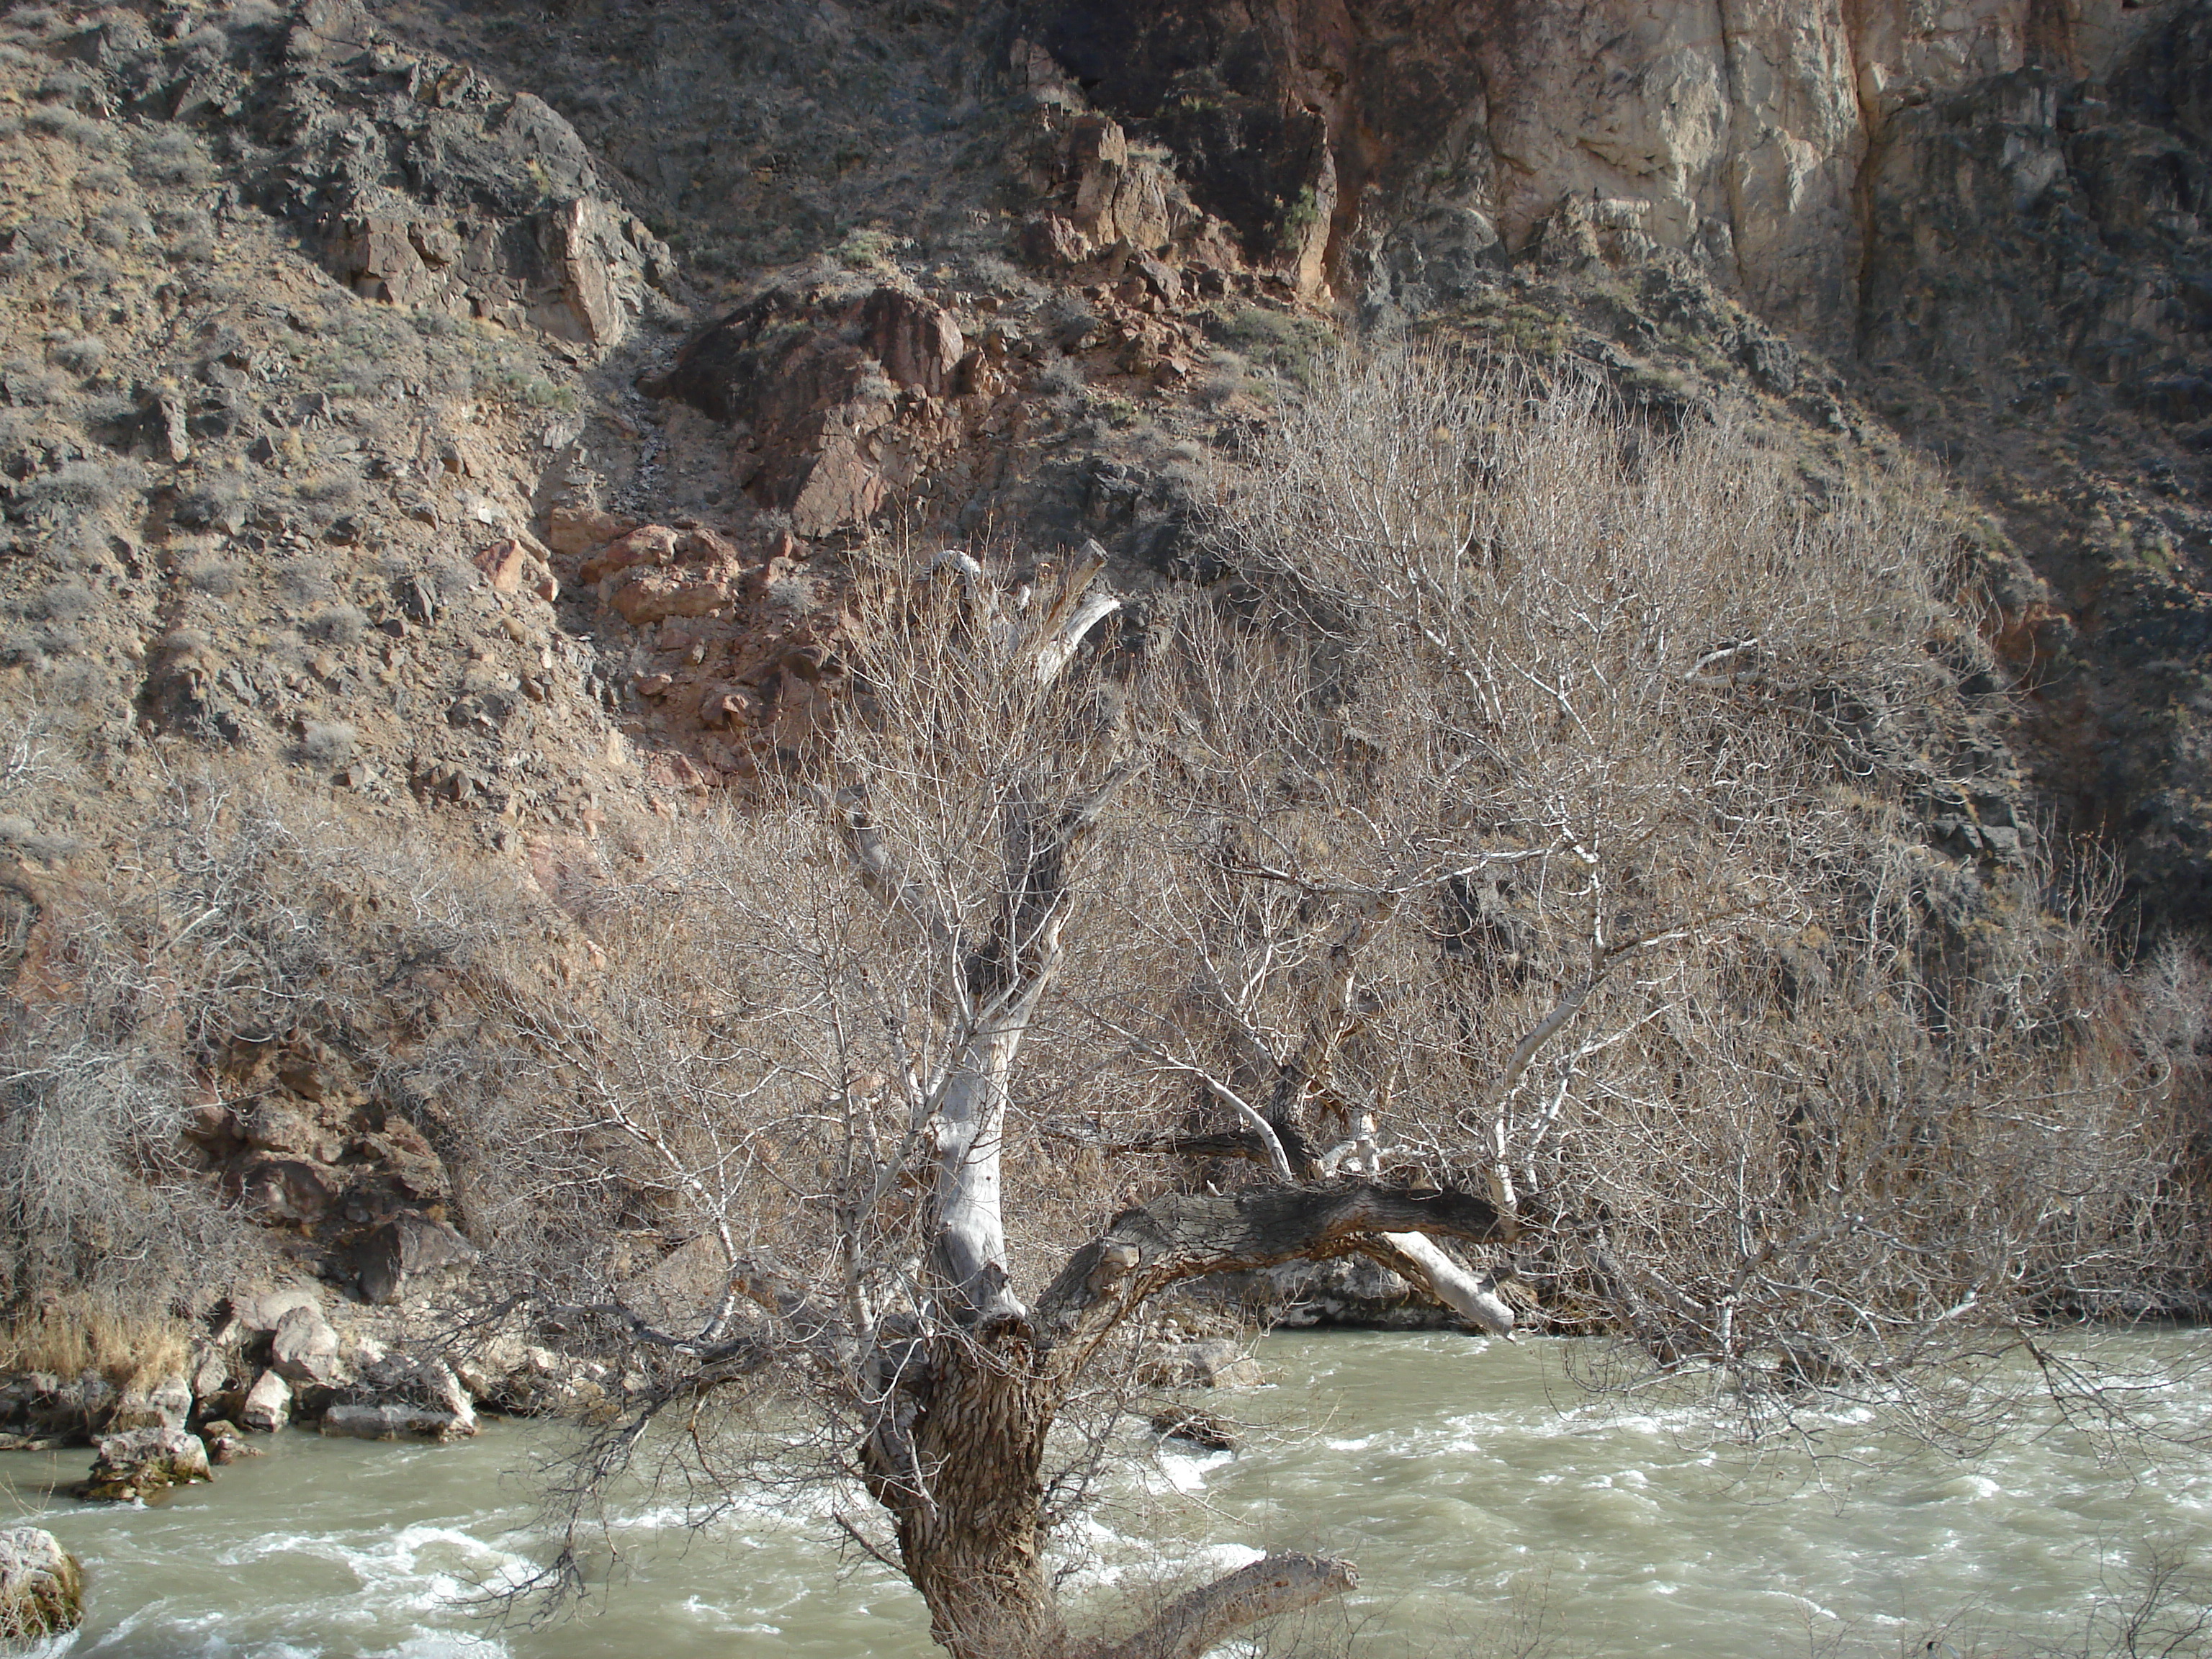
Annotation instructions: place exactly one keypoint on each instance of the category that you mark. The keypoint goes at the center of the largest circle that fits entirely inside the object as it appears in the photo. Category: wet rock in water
(143, 1463)
(1215, 1364)
(1346, 1290)
(1196, 1425)
(397, 1420)
(268, 1405)
(416, 1397)
(225, 1442)
(41, 1587)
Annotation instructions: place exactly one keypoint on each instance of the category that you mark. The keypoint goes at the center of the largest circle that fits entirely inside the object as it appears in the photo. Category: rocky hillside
(457, 417)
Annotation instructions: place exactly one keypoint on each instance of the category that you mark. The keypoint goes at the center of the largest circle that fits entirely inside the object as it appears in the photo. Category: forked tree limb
(1182, 1236)
(1193, 1623)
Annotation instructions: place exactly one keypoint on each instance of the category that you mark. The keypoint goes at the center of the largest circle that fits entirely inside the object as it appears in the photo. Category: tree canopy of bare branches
(1512, 875)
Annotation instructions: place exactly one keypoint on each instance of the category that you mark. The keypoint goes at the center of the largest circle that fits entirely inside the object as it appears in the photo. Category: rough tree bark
(958, 1456)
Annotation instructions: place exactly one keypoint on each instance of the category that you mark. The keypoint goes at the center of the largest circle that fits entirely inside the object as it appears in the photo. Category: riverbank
(1479, 1491)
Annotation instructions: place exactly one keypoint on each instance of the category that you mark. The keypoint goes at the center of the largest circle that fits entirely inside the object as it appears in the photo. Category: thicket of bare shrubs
(242, 924)
(1538, 814)
(1771, 1083)
(1543, 813)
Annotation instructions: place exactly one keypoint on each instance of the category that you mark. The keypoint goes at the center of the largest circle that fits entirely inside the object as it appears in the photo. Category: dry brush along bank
(619, 726)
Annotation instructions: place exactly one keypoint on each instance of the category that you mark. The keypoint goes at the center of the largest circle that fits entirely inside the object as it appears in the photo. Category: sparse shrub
(217, 502)
(1061, 381)
(81, 355)
(1225, 381)
(341, 625)
(870, 250)
(1070, 320)
(333, 486)
(66, 602)
(59, 121)
(187, 235)
(306, 581)
(67, 83)
(78, 683)
(119, 225)
(37, 244)
(214, 577)
(31, 385)
(452, 577)
(328, 744)
(79, 486)
(170, 156)
(998, 275)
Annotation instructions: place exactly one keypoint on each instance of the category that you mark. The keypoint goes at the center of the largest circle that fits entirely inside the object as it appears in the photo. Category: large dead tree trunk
(958, 1454)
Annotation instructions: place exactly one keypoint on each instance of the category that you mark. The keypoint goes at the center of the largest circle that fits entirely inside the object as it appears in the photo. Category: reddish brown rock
(504, 563)
(1050, 240)
(575, 530)
(918, 342)
(650, 596)
(650, 543)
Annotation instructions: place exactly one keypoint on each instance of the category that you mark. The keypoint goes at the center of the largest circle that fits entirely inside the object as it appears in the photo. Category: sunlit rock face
(1737, 131)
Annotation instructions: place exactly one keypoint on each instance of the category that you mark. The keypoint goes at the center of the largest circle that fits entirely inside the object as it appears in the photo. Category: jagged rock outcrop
(1734, 130)
(419, 182)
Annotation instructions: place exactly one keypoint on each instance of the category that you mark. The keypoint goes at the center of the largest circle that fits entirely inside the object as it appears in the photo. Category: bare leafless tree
(799, 1067)
(1512, 878)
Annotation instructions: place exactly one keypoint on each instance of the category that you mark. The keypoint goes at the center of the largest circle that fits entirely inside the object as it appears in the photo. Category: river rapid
(1487, 1500)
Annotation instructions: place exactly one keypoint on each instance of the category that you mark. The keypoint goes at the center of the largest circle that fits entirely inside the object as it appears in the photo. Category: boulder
(918, 343)
(576, 529)
(164, 1406)
(304, 1351)
(41, 1587)
(397, 1420)
(394, 1260)
(279, 1190)
(143, 1463)
(505, 563)
(265, 1313)
(72, 1409)
(1214, 1363)
(225, 1442)
(211, 1374)
(268, 1405)
(1197, 1425)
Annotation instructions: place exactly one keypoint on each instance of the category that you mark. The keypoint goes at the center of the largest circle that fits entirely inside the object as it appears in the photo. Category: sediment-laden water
(1479, 1491)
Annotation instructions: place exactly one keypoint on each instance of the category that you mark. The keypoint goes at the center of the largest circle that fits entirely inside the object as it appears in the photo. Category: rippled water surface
(1478, 1490)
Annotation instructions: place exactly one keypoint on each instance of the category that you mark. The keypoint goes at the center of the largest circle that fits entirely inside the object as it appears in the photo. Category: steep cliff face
(1992, 217)
(1738, 130)
(1033, 264)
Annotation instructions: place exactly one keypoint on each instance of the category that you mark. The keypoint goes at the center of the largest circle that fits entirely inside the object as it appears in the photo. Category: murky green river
(1486, 1500)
